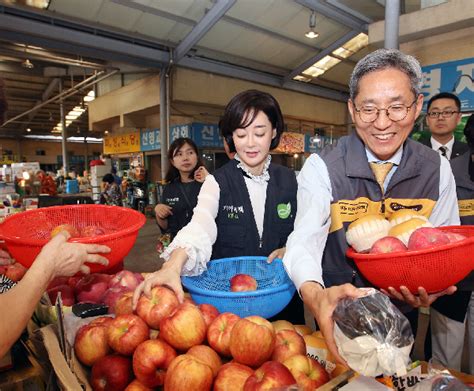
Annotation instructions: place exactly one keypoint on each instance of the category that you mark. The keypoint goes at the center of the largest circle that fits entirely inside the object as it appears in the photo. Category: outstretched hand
(422, 299)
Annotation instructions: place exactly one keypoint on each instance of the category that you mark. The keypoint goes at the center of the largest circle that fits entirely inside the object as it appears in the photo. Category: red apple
(102, 321)
(67, 294)
(279, 325)
(111, 373)
(252, 341)
(454, 237)
(72, 281)
(309, 373)
(209, 312)
(387, 244)
(151, 359)
(207, 356)
(218, 333)
(243, 283)
(271, 375)
(92, 287)
(92, 231)
(161, 303)
(232, 377)
(15, 271)
(427, 237)
(91, 342)
(187, 373)
(58, 281)
(126, 332)
(137, 386)
(127, 279)
(184, 328)
(288, 343)
(65, 227)
(111, 296)
(123, 305)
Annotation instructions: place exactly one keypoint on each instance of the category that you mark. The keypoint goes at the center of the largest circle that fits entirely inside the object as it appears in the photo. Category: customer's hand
(422, 299)
(61, 258)
(163, 211)
(200, 174)
(278, 253)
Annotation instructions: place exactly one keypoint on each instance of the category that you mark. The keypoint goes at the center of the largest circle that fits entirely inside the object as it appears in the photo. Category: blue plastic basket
(274, 287)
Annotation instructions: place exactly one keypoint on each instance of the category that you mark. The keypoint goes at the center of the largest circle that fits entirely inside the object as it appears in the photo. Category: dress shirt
(435, 145)
(305, 245)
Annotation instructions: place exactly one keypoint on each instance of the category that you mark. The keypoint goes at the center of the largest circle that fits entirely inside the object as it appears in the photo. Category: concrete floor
(143, 258)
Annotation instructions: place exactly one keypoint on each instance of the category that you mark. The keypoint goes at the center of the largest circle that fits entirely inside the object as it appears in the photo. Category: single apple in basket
(219, 331)
(124, 305)
(243, 283)
(187, 373)
(136, 385)
(126, 332)
(252, 341)
(65, 227)
(207, 356)
(387, 244)
(111, 373)
(427, 237)
(270, 376)
(454, 237)
(151, 359)
(184, 327)
(127, 279)
(111, 296)
(209, 312)
(308, 373)
(288, 343)
(91, 288)
(91, 342)
(232, 377)
(161, 304)
(91, 231)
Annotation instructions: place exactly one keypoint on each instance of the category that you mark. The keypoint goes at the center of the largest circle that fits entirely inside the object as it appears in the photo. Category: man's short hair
(444, 95)
(384, 59)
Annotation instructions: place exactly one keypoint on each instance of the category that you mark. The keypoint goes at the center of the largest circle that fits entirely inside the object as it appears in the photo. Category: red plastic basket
(434, 269)
(27, 232)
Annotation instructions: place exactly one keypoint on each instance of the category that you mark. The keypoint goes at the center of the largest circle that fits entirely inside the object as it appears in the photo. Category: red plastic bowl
(26, 233)
(434, 269)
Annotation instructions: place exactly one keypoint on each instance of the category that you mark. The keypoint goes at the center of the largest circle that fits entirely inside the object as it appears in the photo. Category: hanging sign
(207, 135)
(122, 143)
(150, 139)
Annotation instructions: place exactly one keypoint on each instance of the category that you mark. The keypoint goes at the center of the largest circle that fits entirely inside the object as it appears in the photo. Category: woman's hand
(423, 299)
(200, 174)
(278, 253)
(163, 211)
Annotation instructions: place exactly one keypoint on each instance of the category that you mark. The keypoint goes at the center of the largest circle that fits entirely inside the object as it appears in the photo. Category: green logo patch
(284, 210)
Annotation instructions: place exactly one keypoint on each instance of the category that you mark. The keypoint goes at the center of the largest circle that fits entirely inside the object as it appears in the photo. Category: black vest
(237, 233)
(356, 193)
(182, 201)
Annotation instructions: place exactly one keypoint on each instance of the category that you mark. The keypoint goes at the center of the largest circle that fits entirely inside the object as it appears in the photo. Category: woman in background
(111, 194)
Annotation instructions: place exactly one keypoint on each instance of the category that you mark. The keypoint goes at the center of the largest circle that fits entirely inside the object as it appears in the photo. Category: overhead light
(106, 132)
(28, 129)
(311, 34)
(27, 64)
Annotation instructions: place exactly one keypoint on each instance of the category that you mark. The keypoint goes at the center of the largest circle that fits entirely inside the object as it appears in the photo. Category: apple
(111, 296)
(454, 237)
(137, 386)
(209, 312)
(232, 377)
(302, 329)
(58, 281)
(67, 294)
(308, 373)
(207, 356)
(111, 373)
(187, 373)
(151, 359)
(124, 305)
(282, 325)
(91, 342)
(127, 279)
(243, 283)
(427, 237)
(271, 375)
(161, 303)
(15, 271)
(218, 333)
(92, 287)
(126, 332)
(72, 281)
(184, 328)
(65, 227)
(387, 244)
(288, 343)
(101, 321)
(252, 341)
(91, 231)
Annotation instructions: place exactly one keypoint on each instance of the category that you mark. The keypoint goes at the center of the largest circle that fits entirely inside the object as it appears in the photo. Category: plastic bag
(440, 379)
(372, 335)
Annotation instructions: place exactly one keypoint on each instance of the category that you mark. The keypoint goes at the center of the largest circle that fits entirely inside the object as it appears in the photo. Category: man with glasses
(443, 115)
(339, 186)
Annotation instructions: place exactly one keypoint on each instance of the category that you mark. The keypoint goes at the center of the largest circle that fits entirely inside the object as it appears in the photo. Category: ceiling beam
(336, 14)
(305, 65)
(204, 25)
(350, 11)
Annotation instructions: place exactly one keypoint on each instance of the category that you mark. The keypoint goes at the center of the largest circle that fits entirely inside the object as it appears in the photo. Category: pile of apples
(90, 231)
(94, 288)
(14, 271)
(193, 347)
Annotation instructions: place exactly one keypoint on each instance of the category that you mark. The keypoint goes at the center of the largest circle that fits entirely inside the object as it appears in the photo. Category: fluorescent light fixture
(93, 140)
(70, 116)
(352, 46)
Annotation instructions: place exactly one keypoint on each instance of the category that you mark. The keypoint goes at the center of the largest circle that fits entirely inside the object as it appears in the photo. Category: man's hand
(322, 303)
(163, 211)
(423, 299)
(278, 253)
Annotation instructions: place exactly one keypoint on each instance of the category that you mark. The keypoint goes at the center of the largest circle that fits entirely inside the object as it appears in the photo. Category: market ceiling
(62, 43)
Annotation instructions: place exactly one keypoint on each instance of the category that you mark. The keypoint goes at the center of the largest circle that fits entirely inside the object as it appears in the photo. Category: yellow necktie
(380, 171)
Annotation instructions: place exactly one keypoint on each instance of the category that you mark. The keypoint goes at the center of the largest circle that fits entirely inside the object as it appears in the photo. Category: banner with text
(122, 143)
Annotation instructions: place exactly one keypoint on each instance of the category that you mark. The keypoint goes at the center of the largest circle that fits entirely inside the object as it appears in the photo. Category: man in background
(443, 115)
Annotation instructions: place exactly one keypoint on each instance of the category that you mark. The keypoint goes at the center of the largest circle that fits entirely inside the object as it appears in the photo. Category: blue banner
(207, 135)
(177, 131)
(150, 139)
(455, 76)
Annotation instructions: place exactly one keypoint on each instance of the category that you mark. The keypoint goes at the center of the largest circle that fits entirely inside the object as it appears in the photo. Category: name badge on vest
(233, 212)
(172, 201)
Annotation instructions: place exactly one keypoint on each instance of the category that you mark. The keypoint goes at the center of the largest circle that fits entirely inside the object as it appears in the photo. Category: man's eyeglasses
(395, 113)
(444, 114)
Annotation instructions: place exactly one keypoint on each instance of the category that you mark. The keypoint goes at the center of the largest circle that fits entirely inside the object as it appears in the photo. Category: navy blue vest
(237, 233)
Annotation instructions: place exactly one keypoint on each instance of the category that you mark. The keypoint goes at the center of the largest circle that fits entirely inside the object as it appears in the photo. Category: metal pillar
(392, 17)
(164, 122)
(63, 131)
